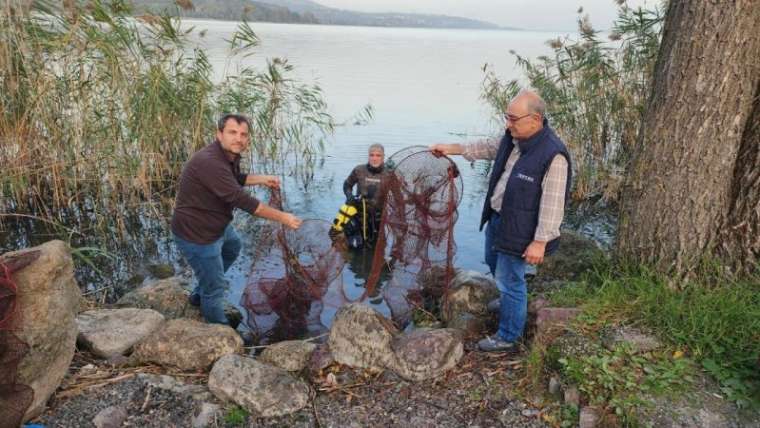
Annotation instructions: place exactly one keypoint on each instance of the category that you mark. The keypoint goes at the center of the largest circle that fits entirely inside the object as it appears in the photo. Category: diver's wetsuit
(372, 184)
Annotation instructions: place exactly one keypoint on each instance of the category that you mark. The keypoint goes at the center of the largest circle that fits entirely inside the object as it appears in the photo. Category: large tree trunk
(686, 183)
(740, 244)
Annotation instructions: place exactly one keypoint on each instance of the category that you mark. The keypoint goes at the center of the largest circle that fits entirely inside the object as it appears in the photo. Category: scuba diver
(359, 218)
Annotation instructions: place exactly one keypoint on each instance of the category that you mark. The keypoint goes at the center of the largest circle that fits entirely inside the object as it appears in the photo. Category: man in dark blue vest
(524, 206)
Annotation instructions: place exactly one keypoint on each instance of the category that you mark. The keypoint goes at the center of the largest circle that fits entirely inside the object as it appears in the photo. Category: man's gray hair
(376, 148)
(534, 102)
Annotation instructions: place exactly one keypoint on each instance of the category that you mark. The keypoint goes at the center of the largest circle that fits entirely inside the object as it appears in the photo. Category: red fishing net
(15, 398)
(298, 281)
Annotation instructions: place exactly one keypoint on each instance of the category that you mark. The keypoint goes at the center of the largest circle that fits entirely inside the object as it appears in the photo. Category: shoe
(248, 339)
(494, 305)
(494, 343)
(194, 299)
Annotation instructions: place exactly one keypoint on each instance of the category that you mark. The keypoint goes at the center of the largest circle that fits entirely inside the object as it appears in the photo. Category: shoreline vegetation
(90, 101)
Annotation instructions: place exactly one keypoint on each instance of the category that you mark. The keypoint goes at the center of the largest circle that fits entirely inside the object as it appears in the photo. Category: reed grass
(99, 110)
(595, 90)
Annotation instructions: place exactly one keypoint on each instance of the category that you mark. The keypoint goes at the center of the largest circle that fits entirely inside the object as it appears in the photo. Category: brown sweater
(210, 187)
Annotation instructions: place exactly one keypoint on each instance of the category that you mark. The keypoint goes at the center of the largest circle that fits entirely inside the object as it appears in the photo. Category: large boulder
(290, 355)
(425, 354)
(109, 332)
(170, 298)
(48, 300)
(258, 387)
(470, 292)
(361, 337)
(188, 345)
(165, 296)
(576, 254)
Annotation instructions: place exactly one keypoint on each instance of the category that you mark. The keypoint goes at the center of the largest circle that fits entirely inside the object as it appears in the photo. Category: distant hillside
(331, 16)
(305, 11)
(232, 10)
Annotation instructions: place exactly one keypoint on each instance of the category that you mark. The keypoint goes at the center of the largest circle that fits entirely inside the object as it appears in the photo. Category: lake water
(424, 86)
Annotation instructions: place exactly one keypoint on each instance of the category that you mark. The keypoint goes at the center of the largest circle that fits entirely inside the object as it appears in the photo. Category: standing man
(524, 206)
(371, 180)
(210, 187)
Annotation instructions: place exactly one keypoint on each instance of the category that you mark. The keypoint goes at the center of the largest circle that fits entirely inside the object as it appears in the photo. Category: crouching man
(210, 188)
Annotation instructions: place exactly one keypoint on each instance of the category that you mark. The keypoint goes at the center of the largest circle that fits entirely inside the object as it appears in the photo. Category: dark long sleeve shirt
(210, 188)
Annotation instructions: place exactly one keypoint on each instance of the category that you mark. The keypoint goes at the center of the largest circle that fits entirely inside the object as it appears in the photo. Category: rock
(118, 360)
(168, 383)
(48, 299)
(188, 344)
(589, 417)
(554, 317)
(206, 416)
(108, 332)
(470, 292)
(469, 324)
(258, 387)
(110, 417)
(168, 297)
(576, 254)
(535, 305)
(320, 359)
(361, 337)
(530, 413)
(554, 387)
(423, 354)
(165, 296)
(161, 270)
(572, 396)
(638, 341)
(290, 355)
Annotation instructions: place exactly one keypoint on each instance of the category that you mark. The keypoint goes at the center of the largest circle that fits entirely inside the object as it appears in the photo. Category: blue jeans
(209, 263)
(509, 272)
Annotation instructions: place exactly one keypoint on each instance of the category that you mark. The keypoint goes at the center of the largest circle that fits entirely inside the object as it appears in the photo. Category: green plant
(235, 416)
(620, 379)
(715, 318)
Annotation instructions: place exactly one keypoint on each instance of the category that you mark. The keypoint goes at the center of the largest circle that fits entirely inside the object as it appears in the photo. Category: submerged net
(15, 398)
(299, 280)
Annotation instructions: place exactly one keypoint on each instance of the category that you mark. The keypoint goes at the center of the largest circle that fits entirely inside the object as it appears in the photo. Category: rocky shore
(149, 360)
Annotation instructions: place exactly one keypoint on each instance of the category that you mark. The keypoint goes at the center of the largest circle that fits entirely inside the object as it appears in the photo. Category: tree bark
(740, 244)
(681, 189)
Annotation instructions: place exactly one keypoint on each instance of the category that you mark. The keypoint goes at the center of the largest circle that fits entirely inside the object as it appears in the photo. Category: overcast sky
(529, 14)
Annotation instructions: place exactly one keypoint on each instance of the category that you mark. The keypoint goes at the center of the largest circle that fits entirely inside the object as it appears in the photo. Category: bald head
(525, 114)
(531, 101)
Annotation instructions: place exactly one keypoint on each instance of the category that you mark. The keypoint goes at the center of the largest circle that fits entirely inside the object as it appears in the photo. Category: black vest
(522, 197)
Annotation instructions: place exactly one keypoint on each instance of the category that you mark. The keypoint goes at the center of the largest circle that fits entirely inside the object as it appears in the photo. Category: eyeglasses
(513, 118)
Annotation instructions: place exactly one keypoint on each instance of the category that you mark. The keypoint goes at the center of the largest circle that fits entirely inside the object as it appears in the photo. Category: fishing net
(15, 398)
(299, 281)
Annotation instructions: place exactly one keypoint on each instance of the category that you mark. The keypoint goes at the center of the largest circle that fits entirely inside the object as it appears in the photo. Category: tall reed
(99, 110)
(595, 92)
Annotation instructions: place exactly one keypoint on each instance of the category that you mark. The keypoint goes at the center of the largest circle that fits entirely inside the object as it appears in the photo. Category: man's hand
(271, 181)
(291, 221)
(534, 254)
(446, 149)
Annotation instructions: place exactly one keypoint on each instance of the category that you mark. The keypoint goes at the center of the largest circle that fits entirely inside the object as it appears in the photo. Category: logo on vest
(526, 178)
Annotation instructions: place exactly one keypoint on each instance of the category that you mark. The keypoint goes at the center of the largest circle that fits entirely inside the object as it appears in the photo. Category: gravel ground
(480, 392)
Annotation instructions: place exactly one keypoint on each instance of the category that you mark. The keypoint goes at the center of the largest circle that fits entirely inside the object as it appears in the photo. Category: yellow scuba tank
(344, 216)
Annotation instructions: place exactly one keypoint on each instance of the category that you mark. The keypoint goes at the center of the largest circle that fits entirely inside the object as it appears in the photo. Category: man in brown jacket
(210, 188)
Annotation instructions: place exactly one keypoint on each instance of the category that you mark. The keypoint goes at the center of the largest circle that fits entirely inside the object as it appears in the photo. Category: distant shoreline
(316, 24)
